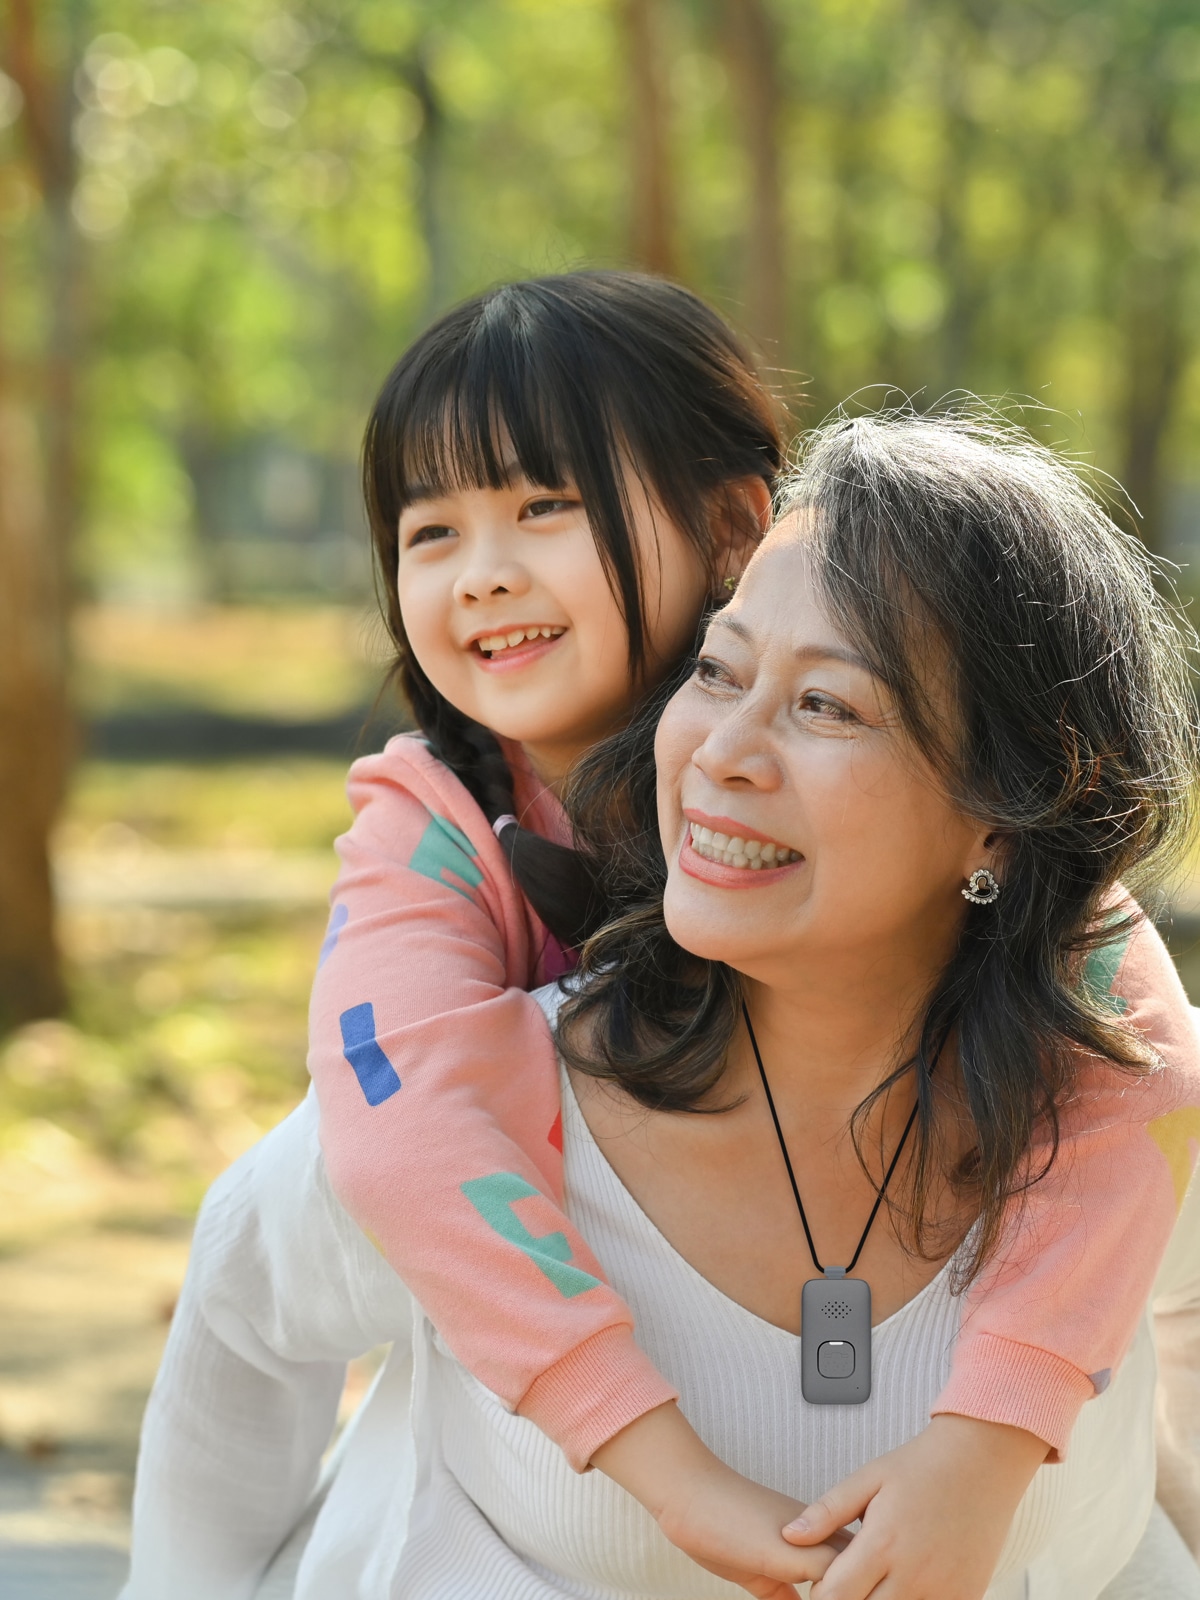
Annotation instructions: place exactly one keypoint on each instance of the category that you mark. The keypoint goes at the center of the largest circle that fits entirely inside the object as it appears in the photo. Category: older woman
(802, 1061)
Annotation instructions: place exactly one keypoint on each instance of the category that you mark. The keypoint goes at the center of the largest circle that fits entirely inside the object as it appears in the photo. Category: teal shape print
(493, 1197)
(1100, 971)
(444, 854)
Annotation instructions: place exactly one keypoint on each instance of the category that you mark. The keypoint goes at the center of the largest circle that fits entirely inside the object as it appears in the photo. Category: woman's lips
(516, 656)
(723, 877)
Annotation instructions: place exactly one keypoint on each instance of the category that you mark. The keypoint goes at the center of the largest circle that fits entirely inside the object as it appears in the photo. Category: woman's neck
(831, 1043)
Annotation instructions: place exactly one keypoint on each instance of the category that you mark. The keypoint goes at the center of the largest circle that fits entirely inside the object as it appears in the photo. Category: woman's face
(800, 823)
(508, 610)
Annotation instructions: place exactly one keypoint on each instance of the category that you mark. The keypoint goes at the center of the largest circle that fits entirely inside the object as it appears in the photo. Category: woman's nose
(738, 753)
(488, 575)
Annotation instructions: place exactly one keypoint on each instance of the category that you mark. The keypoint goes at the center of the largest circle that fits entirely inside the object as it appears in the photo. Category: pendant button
(835, 1359)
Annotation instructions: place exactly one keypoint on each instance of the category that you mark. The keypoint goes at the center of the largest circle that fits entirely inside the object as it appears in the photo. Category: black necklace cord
(882, 1190)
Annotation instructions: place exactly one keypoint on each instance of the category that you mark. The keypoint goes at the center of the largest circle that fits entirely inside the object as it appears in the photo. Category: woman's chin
(732, 933)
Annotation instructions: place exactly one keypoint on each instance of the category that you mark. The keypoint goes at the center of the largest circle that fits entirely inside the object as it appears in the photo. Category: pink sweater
(441, 1127)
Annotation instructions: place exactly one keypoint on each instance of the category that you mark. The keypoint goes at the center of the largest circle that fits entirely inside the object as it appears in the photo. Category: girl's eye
(552, 505)
(428, 534)
(825, 708)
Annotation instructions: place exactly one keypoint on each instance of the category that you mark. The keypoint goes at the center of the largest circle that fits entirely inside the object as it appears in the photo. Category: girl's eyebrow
(804, 652)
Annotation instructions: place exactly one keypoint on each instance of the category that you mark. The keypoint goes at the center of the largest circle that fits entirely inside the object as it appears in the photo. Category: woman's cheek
(670, 803)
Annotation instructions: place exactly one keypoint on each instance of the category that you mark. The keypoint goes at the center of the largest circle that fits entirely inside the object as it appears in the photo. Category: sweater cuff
(600, 1387)
(1020, 1385)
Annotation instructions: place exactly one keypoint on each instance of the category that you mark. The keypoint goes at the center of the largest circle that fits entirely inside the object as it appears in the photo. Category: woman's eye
(428, 534)
(826, 708)
(711, 674)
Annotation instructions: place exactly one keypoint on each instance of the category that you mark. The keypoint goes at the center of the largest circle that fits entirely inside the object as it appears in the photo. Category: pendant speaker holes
(836, 1308)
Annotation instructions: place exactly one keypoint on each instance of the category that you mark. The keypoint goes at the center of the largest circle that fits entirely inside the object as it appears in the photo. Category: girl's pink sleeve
(1046, 1325)
(440, 1107)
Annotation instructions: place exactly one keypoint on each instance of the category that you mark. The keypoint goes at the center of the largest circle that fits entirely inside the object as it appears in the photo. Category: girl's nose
(489, 576)
(738, 754)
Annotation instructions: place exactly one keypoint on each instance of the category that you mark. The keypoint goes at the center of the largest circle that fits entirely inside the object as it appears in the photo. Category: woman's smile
(731, 855)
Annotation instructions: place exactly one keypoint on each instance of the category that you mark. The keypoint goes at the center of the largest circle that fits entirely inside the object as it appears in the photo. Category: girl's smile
(507, 649)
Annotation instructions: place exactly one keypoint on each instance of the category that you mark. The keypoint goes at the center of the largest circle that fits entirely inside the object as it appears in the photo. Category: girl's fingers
(769, 1589)
(838, 1506)
(854, 1575)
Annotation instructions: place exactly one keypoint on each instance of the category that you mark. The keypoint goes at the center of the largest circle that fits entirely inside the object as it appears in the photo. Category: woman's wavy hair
(1075, 741)
(569, 378)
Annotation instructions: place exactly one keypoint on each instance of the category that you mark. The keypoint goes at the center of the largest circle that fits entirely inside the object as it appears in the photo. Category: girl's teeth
(737, 852)
(495, 642)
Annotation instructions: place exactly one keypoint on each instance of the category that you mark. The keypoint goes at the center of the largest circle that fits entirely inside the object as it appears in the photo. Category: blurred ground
(194, 901)
(194, 904)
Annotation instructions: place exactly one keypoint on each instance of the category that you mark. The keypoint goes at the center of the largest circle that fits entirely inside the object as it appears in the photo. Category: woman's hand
(724, 1522)
(935, 1513)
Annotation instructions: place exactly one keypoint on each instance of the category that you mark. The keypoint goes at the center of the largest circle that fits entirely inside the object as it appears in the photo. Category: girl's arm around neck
(1048, 1322)
(440, 1115)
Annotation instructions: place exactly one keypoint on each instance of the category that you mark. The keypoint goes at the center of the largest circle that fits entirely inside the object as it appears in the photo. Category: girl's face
(802, 828)
(508, 610)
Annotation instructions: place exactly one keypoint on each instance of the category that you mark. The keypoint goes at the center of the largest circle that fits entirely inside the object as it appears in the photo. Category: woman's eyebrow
(804, 652)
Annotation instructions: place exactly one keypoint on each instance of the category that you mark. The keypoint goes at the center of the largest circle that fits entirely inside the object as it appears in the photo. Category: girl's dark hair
(1075, 741)
(572, 377)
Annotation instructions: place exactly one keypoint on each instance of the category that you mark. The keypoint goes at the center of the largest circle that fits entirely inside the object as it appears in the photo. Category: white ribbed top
(497, 1512)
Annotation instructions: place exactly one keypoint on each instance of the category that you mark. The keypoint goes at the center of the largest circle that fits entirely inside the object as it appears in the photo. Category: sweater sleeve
(1177, 1336)
(1048, 1322)
(281, 1290)
(440, 1110)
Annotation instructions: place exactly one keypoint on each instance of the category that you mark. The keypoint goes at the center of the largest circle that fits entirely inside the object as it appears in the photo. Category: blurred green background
(220, 223)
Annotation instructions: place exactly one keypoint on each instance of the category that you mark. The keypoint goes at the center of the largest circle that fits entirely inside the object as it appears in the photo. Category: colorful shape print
(493, 1197)
(377, 1078)
(1100, 973)
(338, 920)
(444, 854)
(1177, 1135)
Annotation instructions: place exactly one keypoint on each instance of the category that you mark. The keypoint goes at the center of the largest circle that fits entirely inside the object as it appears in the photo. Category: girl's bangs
(487, 416)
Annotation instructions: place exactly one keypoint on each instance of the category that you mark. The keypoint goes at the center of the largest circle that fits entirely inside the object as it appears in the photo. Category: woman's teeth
(494, 643)
(732, 851)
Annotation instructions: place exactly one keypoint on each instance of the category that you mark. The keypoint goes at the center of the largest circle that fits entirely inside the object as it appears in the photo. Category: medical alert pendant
(835, 1340)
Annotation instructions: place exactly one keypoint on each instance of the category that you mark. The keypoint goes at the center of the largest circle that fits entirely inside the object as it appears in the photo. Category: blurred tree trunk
(1152, 319)
(652, 211)
(430, 156)
(38, 508)
(1154, 360)
(752, 47)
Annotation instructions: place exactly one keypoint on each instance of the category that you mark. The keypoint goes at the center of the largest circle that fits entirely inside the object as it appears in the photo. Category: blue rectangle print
(376, 1076)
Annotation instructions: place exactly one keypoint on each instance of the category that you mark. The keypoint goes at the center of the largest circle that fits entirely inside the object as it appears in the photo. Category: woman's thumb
(838, 1506)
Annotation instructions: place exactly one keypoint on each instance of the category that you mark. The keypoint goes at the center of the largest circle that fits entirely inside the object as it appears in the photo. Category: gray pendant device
(835, 1340)
(835, 1309)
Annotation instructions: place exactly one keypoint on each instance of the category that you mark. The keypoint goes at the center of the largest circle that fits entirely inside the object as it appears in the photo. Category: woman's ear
(741, 516)
(992, 851)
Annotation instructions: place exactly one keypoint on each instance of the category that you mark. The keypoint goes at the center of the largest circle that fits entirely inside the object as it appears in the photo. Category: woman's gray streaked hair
(949, 542)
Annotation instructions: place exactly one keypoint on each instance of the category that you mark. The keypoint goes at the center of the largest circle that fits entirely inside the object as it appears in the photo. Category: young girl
(562, 476)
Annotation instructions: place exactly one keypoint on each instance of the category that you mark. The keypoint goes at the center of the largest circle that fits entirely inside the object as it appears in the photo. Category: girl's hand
(935, 1513)
(724, 1522)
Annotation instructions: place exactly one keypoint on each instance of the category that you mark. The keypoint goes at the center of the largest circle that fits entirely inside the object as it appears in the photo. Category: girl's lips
(516, 656)
(723, 877)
